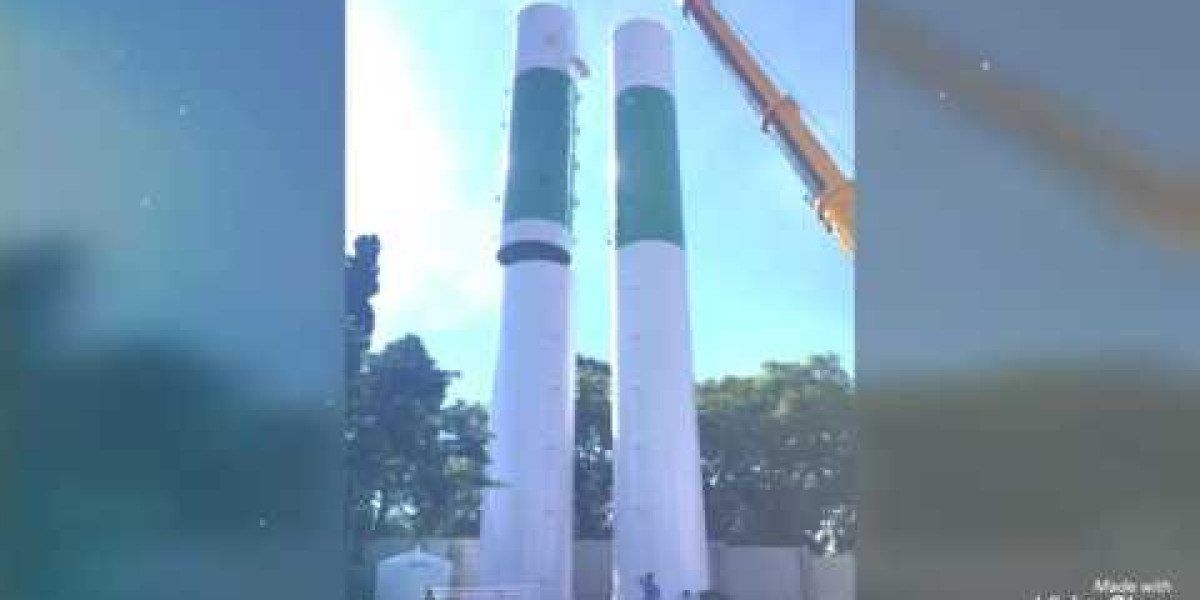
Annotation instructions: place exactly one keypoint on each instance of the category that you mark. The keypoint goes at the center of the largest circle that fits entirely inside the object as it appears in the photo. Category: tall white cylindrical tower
(659, 511)
(527, 520)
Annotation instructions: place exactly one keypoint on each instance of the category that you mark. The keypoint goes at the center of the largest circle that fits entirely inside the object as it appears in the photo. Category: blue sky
(427, 99)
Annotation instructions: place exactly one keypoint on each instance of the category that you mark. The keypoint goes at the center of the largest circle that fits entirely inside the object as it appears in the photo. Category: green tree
(593, 449)
(776, 450)
(778, 456)
(423, 459)
(361, 273)
(464, 437)
(416, 462)
(362, 283)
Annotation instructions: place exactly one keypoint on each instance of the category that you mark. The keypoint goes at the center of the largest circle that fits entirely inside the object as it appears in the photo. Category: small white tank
(407, 576)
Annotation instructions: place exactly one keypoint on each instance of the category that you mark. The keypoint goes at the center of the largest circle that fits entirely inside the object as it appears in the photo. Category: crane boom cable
(786, 88)
(759, 99)
(810, 149)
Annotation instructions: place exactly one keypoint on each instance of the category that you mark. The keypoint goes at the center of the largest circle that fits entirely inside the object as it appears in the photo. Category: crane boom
(833, 194)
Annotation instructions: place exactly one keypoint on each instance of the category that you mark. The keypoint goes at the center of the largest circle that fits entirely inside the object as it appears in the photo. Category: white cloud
(405, 183)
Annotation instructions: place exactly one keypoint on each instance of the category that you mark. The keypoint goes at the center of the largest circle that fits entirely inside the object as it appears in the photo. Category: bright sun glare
(403, 184)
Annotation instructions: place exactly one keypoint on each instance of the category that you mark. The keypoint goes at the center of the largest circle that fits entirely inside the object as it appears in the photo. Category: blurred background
(1028, 297)
(170, 299)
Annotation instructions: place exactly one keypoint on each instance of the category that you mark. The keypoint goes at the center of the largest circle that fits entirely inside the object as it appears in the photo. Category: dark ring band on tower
(531, 250)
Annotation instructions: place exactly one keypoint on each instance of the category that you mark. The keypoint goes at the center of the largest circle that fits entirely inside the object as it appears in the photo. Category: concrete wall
(742, 572)
(752, 573)
(831, 577)
(593, 570)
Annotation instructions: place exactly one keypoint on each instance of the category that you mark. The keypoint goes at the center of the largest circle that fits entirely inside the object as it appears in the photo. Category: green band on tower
(539, 171)
(649, 204)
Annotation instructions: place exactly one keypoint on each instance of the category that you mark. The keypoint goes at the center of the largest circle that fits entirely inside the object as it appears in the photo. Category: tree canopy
(426, 456)
(778, 456)
(416, 460)
(776, 451)
(593, 449)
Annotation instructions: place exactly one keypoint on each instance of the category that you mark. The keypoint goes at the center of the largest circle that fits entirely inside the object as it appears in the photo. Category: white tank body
(659, 510)
(525, 538)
